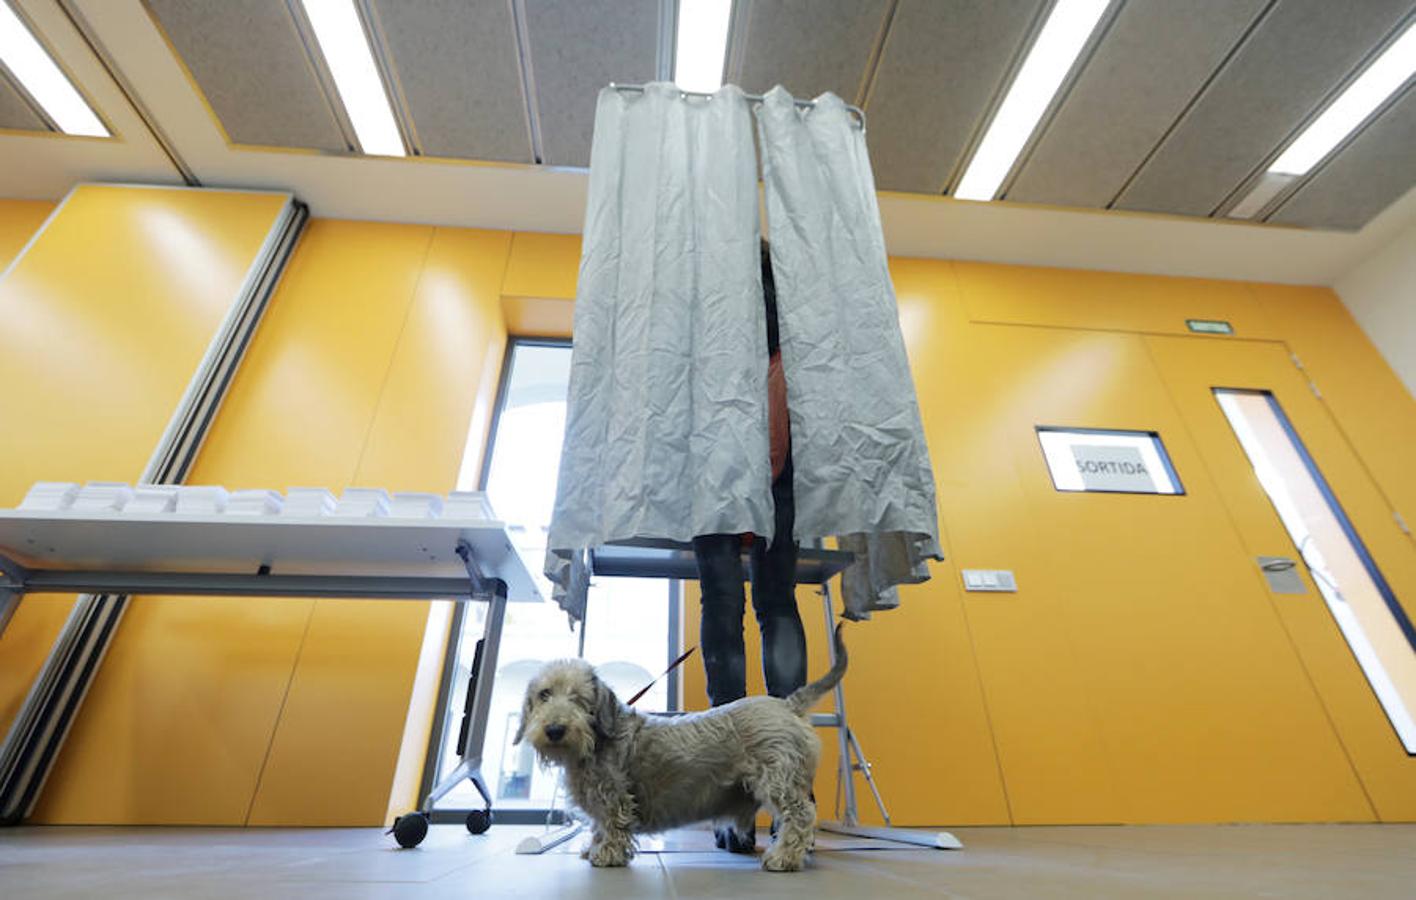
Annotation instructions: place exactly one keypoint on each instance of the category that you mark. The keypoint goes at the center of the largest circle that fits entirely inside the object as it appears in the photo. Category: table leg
(9, 600)
(12, 587)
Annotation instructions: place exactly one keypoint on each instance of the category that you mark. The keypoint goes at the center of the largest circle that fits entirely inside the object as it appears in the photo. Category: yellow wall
(104, 320)
(19, 220)
(379, 349)
(1141, 673)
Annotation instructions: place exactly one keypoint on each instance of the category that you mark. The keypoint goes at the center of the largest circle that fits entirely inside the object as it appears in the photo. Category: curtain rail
(751, 98)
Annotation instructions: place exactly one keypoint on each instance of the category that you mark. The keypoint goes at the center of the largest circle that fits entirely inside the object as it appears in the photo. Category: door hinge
(1400, 522)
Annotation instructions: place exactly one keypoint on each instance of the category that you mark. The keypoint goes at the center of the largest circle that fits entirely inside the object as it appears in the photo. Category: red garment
(778, 429)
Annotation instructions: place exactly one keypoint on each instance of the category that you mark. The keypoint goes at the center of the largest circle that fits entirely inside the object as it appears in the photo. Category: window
(631, 624)
(1117, 462)
(1371, 620)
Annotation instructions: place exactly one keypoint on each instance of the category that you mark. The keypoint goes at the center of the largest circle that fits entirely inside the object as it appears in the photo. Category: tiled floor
(1291, 861)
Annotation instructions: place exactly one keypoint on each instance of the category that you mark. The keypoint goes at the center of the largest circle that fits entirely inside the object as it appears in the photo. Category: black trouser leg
(720, 578)
(774, 596)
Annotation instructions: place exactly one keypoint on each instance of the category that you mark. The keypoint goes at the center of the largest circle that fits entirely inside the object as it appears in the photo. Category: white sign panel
(1132, 462)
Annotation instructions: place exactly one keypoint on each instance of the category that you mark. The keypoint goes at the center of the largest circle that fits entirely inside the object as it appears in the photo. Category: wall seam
(358, 464)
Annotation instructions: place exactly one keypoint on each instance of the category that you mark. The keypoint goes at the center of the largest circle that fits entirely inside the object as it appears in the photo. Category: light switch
(990, 580)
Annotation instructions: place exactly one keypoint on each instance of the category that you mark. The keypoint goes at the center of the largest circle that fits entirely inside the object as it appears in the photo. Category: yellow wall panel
(19, 220)
(437, 385)
(302, 404)
(1192, 369)
(1139, 674)
(1106, 301)
(1205, 710)
(546, 317)
(1371, 405)
(298, 413)
(1046, 733)
(542, 265)
(333, 758)
(106, 318)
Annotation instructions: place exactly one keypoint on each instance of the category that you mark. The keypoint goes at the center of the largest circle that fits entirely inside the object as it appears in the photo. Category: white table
(235, 555)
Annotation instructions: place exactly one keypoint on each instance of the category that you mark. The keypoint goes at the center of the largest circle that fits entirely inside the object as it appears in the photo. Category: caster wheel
(479, 820)
(409, 830)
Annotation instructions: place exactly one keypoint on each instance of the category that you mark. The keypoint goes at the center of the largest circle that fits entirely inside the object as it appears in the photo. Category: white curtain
(862, 466)
(666, 428)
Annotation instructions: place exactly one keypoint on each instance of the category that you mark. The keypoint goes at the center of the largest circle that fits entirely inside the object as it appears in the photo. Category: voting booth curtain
(666, 425)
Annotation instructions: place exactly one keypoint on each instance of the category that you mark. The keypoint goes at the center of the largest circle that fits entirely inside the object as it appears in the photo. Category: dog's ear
(525, 718)
(607, 710)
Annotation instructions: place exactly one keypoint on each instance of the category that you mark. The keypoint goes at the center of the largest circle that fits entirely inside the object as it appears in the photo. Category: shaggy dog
(637, 774)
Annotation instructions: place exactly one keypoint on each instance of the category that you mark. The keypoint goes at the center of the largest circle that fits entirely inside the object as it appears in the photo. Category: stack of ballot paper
(254, 503)
(50, 495)
(201, 500)
(361, 502)
(308, 503)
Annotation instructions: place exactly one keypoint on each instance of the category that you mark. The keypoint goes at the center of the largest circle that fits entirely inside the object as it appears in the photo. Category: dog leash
(673, 665)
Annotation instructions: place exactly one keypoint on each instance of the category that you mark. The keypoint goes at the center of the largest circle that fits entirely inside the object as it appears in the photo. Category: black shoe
(733, 841)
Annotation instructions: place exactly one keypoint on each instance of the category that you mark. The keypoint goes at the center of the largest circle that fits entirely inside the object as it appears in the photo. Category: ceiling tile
(456, 64)
(15, 111)
(942, 64)
(251, 64)
(1150, 64)
(1293, 58)
(808, 46)
(1370, 173)
(578, 47)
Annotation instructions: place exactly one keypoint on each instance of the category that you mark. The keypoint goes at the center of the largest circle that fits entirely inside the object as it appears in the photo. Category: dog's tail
(805, 697)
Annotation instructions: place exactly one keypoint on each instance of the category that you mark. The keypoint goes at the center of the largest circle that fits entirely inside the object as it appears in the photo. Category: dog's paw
(608, 856)
(774, 861)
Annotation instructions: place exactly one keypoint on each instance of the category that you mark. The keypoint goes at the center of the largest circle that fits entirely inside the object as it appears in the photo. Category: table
(113, 553)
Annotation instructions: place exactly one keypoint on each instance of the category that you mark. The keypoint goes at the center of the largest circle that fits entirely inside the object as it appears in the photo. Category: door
(1139, 673)
(1296, 490)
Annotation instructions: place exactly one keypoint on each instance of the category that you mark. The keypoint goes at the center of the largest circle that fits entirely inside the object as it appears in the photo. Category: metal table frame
(17, 580)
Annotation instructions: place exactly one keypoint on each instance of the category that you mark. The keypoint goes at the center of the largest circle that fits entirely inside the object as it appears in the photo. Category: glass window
(628, 620)
(1359, 598)
(1118, 462)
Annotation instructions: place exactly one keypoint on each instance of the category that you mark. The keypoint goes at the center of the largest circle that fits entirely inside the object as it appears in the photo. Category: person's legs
(720, 579)
(774, 596)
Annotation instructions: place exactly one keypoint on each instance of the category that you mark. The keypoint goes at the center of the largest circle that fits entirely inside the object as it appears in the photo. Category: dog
(642, 774)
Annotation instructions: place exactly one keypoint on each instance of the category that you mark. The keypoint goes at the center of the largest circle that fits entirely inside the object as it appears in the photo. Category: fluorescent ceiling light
(1066, 31)
(356, 77)
(701, 44)
(39, 75)
(1381, 79)
(1269, 185)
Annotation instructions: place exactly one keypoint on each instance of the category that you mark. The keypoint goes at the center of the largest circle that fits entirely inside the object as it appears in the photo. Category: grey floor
(1328, 861)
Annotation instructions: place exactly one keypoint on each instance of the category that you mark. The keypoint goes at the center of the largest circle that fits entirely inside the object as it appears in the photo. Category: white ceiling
(540, 198)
